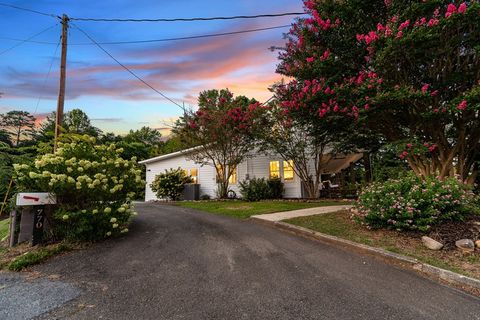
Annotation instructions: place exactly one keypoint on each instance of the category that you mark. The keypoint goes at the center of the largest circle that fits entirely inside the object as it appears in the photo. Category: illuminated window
(220, 172)
(274, 169)
(288, 170)
(233, 176)
(194, 175)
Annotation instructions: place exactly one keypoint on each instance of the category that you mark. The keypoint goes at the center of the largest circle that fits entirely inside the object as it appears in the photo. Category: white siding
(256, 167)
(259, 167)
(206, 174)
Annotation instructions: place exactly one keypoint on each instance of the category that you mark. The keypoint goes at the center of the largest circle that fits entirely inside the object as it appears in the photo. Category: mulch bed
(449, 232)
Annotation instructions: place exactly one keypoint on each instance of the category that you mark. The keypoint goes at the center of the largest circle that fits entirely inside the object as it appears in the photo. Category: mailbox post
(39, 200)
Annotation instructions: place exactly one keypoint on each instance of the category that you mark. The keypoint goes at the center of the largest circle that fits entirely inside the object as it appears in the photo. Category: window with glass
(288, 170)
(274, 169)
(220, 172)
(194, 175)
(233, 176)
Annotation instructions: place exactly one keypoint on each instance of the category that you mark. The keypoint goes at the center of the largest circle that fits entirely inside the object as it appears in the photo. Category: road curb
(469, 284)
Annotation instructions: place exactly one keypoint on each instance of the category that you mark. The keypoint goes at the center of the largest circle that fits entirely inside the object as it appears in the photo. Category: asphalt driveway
(181, 264)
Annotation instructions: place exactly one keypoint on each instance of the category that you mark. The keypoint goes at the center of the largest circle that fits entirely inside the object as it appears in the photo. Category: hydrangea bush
(170, 184)
(93, 185)
(413, 203)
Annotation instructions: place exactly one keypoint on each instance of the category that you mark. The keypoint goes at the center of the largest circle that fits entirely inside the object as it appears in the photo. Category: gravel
(21, 298)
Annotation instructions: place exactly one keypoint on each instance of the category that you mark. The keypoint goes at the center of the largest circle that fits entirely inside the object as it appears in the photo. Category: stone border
(469, 284)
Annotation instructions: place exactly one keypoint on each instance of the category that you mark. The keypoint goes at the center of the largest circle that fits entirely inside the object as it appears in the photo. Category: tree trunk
(368, 167)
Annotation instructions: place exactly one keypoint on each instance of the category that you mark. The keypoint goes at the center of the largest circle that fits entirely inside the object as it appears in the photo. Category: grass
(4, 226)
(340, 225)
(36, 256)
(244, 209)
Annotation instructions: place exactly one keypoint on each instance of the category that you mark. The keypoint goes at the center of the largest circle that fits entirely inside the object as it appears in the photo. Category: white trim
(170, 155)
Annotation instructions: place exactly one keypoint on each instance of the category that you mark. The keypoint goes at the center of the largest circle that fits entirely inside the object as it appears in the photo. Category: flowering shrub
(93, 185)
(170, 184)
(414, 204)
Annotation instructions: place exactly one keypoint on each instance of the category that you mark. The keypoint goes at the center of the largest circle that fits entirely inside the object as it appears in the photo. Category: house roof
(169, 156)
(338, 164)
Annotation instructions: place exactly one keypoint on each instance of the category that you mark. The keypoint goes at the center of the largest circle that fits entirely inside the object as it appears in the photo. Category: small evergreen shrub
(257, 189)
(170, 184)
(276, 188)
(413, 203)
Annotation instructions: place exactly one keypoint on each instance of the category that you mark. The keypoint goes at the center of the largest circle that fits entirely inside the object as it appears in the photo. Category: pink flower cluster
(390, 28)
(430, 147)
(322, 99)
(452, 9)
(463, 105)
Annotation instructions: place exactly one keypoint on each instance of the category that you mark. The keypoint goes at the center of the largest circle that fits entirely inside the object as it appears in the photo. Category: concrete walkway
(278, 216)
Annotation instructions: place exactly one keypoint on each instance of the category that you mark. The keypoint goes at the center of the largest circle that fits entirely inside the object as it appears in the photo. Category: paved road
(180, 264)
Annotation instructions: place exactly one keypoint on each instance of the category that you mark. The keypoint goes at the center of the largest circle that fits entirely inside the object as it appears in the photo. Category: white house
(258, 166)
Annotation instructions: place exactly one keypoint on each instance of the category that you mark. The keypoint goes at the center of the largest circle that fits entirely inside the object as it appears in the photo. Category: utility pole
(63, 71)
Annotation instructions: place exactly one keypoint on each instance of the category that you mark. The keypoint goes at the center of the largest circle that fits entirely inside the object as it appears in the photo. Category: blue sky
(181, 69)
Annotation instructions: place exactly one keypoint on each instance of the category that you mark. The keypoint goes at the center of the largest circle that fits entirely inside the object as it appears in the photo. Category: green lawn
(244, 210)
(340, 225)
(4, 225)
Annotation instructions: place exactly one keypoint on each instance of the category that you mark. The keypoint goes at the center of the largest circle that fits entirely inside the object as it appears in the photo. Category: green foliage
(170, 184)
(243, 210)
(144, 135)
(93, 185)
(205, 197)
(276, 188)
(4, 228)
(412, 203)
(386, 165)
(257, 189)
(37, 256)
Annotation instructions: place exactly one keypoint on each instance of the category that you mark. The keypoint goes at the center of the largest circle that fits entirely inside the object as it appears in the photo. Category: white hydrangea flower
(113, 220)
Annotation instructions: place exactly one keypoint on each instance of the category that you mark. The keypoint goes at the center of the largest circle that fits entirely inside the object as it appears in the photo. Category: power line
(159, 40)
(28, 39)
(28, 10)
(193, 19)
(46, 77)
(198, 36)
(126, 68)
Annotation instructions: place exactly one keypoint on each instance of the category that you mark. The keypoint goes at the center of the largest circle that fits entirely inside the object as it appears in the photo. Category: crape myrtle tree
(427, 54)
(315, 113)
(222, 129)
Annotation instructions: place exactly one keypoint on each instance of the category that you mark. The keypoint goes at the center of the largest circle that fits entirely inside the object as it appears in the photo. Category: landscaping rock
(465, 245)
(477, 243)
(431, 243)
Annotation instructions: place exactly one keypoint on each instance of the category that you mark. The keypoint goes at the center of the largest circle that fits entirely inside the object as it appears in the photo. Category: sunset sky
(112, 97)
